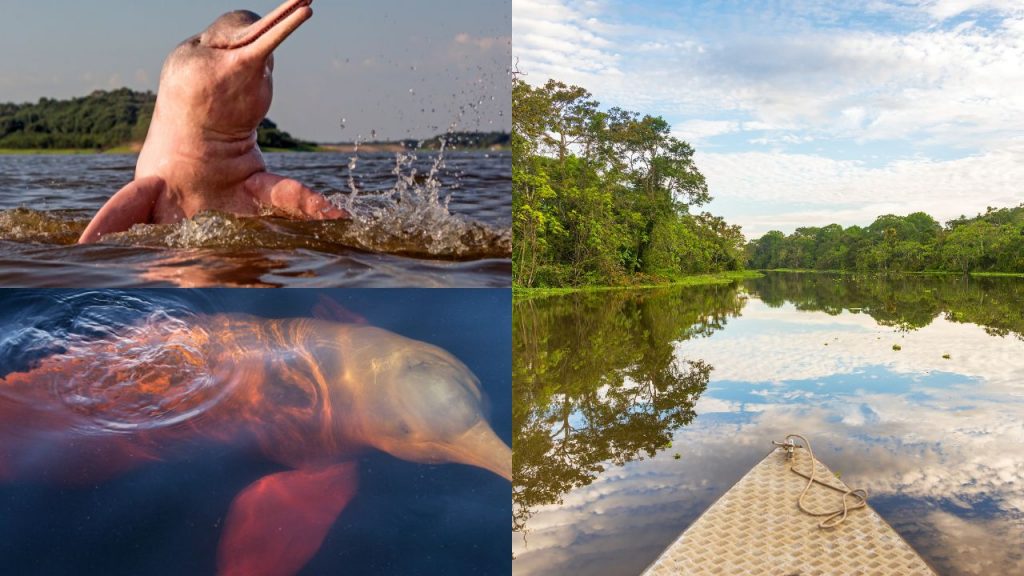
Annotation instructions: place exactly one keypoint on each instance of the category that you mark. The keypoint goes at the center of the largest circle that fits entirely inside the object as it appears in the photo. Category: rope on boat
(852, 499)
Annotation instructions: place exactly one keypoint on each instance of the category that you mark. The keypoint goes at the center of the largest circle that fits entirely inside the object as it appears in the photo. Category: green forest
(462, 140)
(99, 121)
(989, 242)
(606, 197)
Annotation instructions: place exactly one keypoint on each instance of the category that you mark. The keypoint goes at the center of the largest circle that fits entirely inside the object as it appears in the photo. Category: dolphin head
(419, 403)
(224, 75)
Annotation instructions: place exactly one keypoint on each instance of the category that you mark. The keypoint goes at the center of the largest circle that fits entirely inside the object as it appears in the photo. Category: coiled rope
(852, 499)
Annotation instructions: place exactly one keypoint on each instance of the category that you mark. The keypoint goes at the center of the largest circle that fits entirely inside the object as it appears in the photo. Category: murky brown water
(420, 221)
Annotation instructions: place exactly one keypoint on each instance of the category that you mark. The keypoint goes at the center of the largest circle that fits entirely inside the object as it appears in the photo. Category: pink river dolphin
(310, 394)
(201, 152)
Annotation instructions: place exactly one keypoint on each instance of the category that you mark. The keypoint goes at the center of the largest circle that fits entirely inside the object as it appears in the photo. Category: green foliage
(463, 141)
(597, 382)
(268, 135)
(993, 241)
(604, 197)
(903, 301)
(100, 121)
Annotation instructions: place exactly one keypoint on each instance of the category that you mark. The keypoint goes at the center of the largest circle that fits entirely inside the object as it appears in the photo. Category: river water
(635, 410)
(421, 221)
(98, 516)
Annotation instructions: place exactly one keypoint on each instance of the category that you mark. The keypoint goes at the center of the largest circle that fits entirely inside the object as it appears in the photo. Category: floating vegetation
(897, 347)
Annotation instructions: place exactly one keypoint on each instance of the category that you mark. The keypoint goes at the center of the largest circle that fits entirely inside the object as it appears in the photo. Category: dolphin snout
(481, 447)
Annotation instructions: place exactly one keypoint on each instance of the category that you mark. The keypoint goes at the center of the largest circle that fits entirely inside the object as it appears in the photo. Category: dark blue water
(165, 518)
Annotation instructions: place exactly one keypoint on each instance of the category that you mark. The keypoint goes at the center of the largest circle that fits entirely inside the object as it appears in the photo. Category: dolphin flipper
(290, 198)
(132, 205)
(278, 522)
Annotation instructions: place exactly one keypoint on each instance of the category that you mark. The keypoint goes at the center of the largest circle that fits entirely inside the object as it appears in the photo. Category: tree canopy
(100, 120)
(606, 196)
(989, 242)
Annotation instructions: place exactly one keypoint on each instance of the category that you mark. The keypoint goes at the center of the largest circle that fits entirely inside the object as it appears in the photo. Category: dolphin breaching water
(308, 394)
(201, 153)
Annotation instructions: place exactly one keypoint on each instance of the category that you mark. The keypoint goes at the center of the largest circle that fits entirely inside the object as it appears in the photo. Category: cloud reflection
(939, 444)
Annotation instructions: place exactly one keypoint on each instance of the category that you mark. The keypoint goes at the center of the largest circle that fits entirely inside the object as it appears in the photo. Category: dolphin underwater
(201, 153)
(310, 394)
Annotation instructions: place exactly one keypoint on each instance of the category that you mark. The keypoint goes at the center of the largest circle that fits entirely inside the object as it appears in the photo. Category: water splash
(409, 217)
(35, 226)
(413, 214)
(129, 361)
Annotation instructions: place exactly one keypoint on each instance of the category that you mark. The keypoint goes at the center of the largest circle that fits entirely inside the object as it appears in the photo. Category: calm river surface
(633, 411)
(404, 234)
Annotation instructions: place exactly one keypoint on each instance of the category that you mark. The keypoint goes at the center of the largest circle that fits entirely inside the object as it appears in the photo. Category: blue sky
(809, 112)
(403, 68)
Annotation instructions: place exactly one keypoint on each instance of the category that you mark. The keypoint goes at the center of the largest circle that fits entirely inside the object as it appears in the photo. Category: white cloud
(694, 131)
(923, 451)
(946, 9)
(819, 190)
(561, 38)
(481, 42)
(805, 84)
(854, 341)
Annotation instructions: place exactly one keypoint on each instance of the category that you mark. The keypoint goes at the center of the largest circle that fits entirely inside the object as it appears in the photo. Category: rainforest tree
(989, 242)
(606, 196)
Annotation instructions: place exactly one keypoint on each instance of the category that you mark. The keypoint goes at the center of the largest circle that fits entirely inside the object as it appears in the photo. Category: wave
(409, 219)
(123, 361)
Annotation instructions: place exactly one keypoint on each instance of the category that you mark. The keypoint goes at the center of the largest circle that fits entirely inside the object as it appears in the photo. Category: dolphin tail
(279, 522)
(481, 447)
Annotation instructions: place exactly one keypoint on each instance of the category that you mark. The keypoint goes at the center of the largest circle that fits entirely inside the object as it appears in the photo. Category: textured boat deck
(757, 528)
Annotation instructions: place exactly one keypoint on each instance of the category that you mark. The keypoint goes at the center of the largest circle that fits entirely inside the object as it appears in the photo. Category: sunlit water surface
(165, 517)
(634, 411)
(420, 220)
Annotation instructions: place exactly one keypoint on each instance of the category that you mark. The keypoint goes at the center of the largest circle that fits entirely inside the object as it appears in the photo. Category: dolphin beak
(264, 36)
(481, 447)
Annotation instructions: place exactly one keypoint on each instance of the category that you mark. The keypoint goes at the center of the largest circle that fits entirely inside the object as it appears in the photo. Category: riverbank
(898, 273)
(522, 293)
(134, 149)
(126, 149)
(52, 152)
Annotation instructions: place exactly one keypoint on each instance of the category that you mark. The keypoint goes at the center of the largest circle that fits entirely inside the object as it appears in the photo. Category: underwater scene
(307, 432)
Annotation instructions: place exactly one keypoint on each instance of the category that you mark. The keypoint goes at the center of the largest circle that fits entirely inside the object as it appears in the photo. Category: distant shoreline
(339, 148)
(118, 121)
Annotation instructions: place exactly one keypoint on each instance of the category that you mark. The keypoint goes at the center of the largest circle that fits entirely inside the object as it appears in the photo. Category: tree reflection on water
(607, 378)
(905, 302)
(596, 380)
